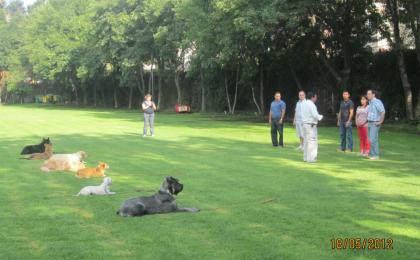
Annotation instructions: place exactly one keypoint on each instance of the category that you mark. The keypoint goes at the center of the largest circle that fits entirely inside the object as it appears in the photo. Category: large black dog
(37, 148)
(162, 202)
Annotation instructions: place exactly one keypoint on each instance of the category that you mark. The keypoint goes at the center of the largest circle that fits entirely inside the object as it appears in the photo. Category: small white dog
(103, 189)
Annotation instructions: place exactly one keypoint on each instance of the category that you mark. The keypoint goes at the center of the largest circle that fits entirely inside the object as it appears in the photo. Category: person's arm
(269, 117)
(153, 105)
(381, 109)
(338, 117)
(143, 106)
(283, 112)
(294, 118)
(381, 121)
(314, 113)
(351, 114)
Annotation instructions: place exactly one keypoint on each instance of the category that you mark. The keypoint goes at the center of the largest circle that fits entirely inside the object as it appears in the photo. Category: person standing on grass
(297, 120)
(310, 118)
(344, 122)
(276, 117)
(362, 126)
(376, 117)
(148, 107)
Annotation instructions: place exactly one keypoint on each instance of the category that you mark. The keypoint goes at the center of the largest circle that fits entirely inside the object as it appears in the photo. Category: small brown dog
(99, 171)
(42, 156)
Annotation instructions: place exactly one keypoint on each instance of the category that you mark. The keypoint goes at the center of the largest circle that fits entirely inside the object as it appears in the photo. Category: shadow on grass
(312, 203)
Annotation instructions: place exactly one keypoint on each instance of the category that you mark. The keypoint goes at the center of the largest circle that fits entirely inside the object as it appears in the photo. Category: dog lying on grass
(37, 148)
(99, 171)
(103, 189)
(41, 156)
(65, 162)
(162, 202)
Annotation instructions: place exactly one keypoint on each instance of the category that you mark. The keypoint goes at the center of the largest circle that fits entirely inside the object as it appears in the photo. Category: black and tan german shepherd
(37, 148)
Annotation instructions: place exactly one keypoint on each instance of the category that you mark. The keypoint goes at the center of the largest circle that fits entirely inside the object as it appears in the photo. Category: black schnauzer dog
(162, 202)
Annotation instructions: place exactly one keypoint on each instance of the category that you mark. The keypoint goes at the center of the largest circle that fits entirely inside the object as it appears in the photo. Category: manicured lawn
(228, 168)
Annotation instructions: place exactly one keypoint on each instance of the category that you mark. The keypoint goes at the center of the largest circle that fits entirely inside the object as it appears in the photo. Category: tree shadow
(338, 197)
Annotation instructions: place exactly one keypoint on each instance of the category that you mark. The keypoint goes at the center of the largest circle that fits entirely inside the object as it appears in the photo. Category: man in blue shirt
(376, 116)
(276, 117)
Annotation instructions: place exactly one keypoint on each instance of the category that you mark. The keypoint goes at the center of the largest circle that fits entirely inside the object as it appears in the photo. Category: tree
(393, 7)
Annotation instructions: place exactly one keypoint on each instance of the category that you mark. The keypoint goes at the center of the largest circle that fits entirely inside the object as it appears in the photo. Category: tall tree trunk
(408, 96)
(255, 100)
(235, 97)
(130, 97)
(414, 10)
(203, 91)
(74, 88)
(178, 87)
(160, 81)
(262, 106)
(227, 93)
(152, 77)
(95, 102)
(142, 84)
(85, 94)
(295, 78)
(115, 97)
(103, 97)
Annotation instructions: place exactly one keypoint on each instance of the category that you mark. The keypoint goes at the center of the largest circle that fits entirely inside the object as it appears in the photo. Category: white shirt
(309, 113)
(298, 111)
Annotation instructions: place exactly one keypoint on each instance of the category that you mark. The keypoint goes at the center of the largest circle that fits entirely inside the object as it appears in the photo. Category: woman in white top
(362, 126)
(148, 107)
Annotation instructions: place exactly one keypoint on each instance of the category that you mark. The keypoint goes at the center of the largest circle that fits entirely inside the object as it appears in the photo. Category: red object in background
(182, 108)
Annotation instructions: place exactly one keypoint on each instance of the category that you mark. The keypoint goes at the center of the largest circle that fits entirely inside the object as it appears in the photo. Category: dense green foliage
(213, 54)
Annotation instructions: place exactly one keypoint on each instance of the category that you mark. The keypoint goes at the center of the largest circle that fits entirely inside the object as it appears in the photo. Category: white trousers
(310, 149)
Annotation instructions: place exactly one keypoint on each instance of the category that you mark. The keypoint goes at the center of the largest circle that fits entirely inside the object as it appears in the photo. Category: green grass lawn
(228, 168)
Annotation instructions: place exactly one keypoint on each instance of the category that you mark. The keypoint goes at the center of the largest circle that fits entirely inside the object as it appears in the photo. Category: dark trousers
(276, 128)
(346, 137)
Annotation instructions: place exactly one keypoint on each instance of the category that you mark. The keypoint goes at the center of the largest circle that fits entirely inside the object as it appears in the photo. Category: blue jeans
(346, 137)
(149, 120)
(373, 135)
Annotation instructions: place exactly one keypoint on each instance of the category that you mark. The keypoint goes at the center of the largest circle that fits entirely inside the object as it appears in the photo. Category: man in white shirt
(310, 118)
(297, 120)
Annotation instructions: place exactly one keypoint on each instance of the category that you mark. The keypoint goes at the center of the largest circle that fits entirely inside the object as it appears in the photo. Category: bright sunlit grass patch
(257, 201)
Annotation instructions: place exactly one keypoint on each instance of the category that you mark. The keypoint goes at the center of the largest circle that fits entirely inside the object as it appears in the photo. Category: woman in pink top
(362, 126)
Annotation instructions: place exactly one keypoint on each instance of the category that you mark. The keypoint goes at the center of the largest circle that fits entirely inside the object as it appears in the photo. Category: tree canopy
(215, 55)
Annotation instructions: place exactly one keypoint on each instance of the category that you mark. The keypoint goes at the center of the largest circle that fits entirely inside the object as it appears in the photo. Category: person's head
(363, 100)
(371, 94)
(277, 96)
(148, 97)
(346, 95)
(302, 95)
(312, 96)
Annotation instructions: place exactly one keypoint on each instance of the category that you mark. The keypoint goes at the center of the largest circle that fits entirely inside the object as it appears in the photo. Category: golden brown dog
(42, 156)
(65, 162)
(99, 171)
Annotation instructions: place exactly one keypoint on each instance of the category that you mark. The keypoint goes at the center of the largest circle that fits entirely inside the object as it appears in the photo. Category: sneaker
(152, 135)
(339, 150)
(349, 150)
(144, 135)
(373, 158)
